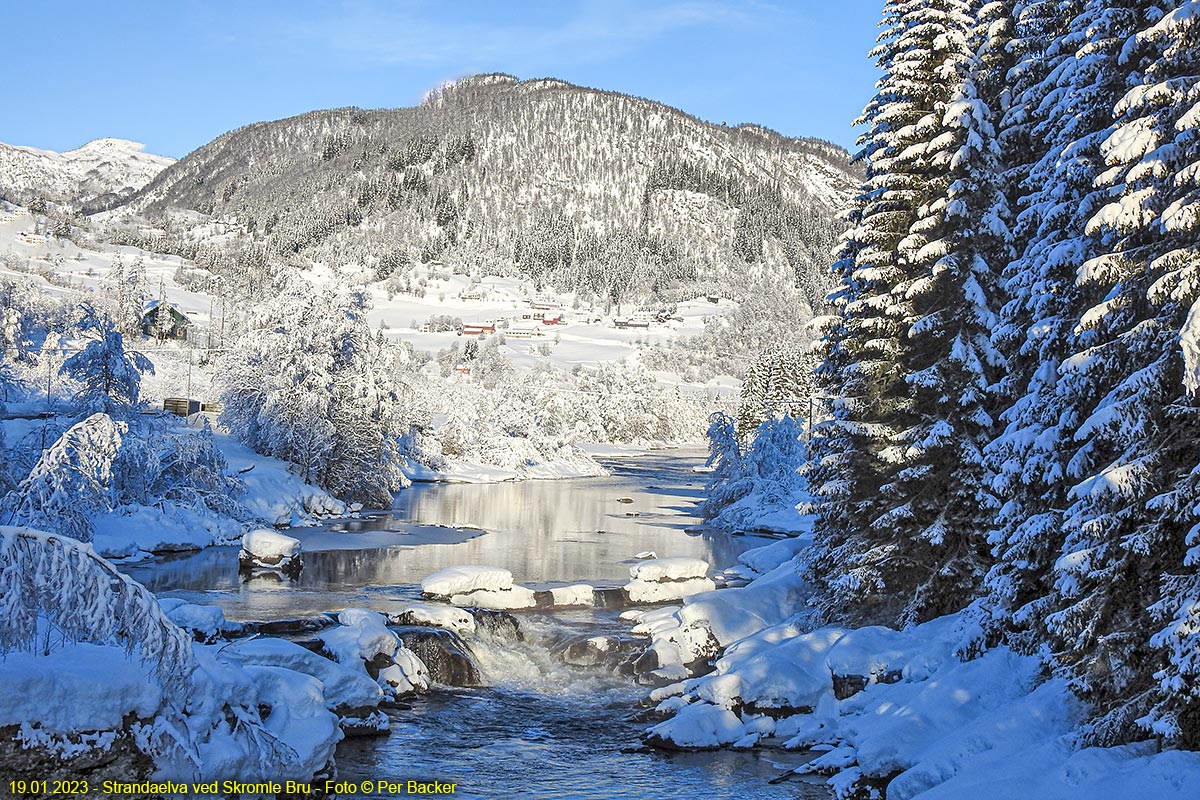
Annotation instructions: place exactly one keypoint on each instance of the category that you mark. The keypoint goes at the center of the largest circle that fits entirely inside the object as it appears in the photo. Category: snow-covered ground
(916, 711)
(585, 336)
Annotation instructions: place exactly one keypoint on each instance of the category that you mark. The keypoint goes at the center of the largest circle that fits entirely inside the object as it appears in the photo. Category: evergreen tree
(898, 469)
(1132, 514)
(1070, 80)
(779, 382)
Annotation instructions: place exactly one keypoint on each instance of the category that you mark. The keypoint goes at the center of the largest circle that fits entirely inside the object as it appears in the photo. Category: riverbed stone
(594, 651)
(446, 656)
(286, 627)
(500, 625)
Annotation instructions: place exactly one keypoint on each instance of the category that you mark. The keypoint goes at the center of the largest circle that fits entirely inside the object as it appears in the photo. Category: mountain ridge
(556, 179)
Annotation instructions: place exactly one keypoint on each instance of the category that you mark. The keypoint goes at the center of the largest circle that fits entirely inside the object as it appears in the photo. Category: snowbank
(898, 714)
(78, 687)
(133, 529)
(713, 619)
(273, 493)
(567, 463)
(81, 700)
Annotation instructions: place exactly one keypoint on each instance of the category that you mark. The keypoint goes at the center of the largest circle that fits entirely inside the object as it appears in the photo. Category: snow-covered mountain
(98, 174)
(577, 187)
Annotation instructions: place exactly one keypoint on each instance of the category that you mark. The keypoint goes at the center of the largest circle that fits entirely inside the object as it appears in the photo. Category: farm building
(164, 320)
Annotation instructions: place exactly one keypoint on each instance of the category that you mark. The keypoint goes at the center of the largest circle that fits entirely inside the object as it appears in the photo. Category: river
(539, 728)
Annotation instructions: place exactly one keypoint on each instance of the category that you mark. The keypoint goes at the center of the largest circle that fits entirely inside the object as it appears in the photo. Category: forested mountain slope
(583, 189)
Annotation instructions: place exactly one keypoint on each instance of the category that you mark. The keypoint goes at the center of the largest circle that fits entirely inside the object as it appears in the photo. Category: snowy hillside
(101, 167)
(571, 187)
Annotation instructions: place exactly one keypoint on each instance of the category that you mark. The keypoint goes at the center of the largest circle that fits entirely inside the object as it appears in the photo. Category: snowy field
(585, 337)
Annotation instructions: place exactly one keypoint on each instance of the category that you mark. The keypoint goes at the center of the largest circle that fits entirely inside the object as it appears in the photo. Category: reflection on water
(543, 531)
(541, 729)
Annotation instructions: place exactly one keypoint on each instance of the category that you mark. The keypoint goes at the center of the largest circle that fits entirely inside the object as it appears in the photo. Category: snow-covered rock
(434, 615)
(640, 591)
(698, 726)
(349, 693)
(362, 640)
(267, 549)
(269, 545)
(513, 598)
(580, 594)
(462, 579)
(206, 623)
(662, 580)
(669, 569)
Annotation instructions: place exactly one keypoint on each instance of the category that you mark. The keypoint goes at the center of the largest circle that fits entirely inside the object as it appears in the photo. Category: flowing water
(538, 728)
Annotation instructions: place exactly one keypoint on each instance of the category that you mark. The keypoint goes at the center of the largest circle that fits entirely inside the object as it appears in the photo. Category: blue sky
(174, 74)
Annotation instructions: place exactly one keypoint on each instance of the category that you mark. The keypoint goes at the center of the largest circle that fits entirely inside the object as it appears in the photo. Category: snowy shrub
(192, 472)
(758, 489)
(71, 481)
(313, 386)
(55, 591)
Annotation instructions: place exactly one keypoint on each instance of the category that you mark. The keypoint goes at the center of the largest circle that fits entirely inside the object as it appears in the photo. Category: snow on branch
(55, 590)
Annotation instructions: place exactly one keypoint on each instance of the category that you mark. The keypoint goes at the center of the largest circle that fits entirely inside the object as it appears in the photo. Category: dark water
(540, 729)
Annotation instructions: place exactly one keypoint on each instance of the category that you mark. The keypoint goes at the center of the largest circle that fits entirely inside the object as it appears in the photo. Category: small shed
(164, 320)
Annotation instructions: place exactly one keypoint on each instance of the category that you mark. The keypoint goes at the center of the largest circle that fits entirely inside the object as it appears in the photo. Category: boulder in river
(205, 623)
(348, 692)
(434, 615)
(498, 625)
(661, 580)
(594, 651)
(446, 656)
(270, 550)
(466, 578)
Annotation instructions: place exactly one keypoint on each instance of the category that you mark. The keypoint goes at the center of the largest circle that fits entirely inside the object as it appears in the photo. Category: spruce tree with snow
(1128, 561)
(898, 470)
(1068, 80)
(70, 482)
(109, 377)
(779, 382)
(727, 483)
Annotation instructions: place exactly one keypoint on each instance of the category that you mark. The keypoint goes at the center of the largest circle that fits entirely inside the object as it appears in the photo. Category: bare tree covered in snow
(71, 481)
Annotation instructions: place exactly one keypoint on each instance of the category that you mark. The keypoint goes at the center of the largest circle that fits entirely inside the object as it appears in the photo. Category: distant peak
(110, 143)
